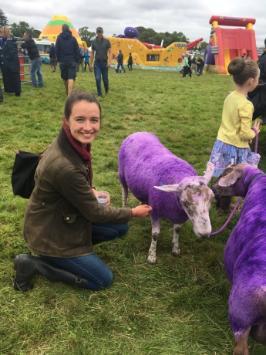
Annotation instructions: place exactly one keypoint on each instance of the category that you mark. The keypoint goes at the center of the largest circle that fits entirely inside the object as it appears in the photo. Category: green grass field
(179, 305)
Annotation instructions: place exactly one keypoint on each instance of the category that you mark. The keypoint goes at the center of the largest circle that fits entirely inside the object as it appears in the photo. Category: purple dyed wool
(245, 255)
(167, 183)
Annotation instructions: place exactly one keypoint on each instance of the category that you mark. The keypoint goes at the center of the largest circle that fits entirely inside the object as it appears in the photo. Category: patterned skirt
(224, 154)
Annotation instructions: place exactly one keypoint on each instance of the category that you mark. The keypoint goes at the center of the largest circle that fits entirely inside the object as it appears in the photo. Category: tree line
(158, 38)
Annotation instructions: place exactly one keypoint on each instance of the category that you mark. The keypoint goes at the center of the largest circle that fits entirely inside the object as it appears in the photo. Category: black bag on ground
(23, 171)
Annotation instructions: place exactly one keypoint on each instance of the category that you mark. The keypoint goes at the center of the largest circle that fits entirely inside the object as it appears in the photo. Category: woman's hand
(141, 211)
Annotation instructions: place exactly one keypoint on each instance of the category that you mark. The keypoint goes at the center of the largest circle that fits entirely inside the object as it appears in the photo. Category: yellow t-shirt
(236, 123)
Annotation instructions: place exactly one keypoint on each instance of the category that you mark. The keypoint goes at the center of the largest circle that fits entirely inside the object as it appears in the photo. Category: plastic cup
(102, 198)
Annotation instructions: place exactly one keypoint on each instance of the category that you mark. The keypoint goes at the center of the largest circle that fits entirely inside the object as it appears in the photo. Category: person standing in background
(120, 60)
(262, 65)
(52, 56)
(101, 59)
(186, 70)
(9, 62)
(130, 62)
(68, 55)
(258, 96)
(86, 58)
(36, 61)
(199, 65)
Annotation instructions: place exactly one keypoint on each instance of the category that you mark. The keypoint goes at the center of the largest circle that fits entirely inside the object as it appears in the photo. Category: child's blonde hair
(243, 69)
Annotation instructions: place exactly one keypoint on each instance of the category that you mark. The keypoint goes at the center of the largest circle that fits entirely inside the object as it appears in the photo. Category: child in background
(235, 132)
(130, 62)
(86, 59)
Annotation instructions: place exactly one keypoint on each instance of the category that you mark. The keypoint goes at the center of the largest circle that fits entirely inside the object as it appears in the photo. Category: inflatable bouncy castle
(148, 55)
(228, 43)
(54, 28)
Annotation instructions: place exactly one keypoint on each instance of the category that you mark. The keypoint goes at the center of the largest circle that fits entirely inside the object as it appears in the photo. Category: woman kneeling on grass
(64, 218)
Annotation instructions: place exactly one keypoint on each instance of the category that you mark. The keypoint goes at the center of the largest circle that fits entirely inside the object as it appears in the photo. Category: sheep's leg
(241, 343)
(175, 240)
(155, 225)
(124, 195)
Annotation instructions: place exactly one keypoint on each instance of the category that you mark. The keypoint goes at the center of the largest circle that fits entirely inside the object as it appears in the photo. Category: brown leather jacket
(62, 206)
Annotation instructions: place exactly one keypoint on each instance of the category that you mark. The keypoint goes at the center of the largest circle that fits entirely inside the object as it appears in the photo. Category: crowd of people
(66, 52)
(70, 57)
(192, 63)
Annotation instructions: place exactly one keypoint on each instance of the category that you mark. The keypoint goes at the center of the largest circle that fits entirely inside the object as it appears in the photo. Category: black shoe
(26, 266)
(25, 270)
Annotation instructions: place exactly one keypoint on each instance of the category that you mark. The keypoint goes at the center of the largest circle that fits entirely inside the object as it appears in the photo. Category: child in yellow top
(235, 132)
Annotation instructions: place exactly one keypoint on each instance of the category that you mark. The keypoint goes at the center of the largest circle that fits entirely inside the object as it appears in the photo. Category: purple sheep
(148, 169)
(245, 255)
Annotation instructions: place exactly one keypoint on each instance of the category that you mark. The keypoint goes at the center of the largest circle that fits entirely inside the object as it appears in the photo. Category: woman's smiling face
(84, 121)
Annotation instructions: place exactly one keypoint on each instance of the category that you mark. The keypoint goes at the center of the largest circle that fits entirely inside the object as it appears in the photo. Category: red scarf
(83, 151)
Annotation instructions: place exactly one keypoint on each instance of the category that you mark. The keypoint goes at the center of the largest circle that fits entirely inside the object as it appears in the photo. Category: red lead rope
(238, 202)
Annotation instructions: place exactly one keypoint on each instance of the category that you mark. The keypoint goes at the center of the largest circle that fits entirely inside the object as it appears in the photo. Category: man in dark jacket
(36, 61)
(101, 58)
(120, 60)
(262, 65)
(258, 96)
(68, 55)
(9, 63)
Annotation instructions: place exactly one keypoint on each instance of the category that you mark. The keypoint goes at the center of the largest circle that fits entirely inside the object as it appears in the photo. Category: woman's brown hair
(76, 96)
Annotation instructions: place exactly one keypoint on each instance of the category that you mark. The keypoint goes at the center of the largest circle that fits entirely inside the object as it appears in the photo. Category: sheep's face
(196, 201)
(195, 197)
(227, 184)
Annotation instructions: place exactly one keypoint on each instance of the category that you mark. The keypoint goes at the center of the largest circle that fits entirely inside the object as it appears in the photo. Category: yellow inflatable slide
(148, 56)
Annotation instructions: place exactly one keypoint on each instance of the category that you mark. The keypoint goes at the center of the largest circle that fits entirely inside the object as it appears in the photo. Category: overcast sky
(188, 16)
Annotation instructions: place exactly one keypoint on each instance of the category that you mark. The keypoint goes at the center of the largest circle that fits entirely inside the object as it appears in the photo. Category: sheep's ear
(208, 172)
(230, 178)
(168, 188)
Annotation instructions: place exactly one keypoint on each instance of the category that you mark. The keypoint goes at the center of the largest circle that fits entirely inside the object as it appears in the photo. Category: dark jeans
(101, 71)
(120, 67)
(91, 267)
(36, 69)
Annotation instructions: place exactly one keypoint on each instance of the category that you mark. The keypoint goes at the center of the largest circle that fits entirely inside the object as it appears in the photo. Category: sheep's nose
(203, 236)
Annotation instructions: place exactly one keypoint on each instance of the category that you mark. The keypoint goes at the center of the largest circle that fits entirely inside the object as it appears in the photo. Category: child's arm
(256, 126)
(245, 113)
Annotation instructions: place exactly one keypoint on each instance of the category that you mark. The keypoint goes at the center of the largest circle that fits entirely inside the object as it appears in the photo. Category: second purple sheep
(245, 255)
